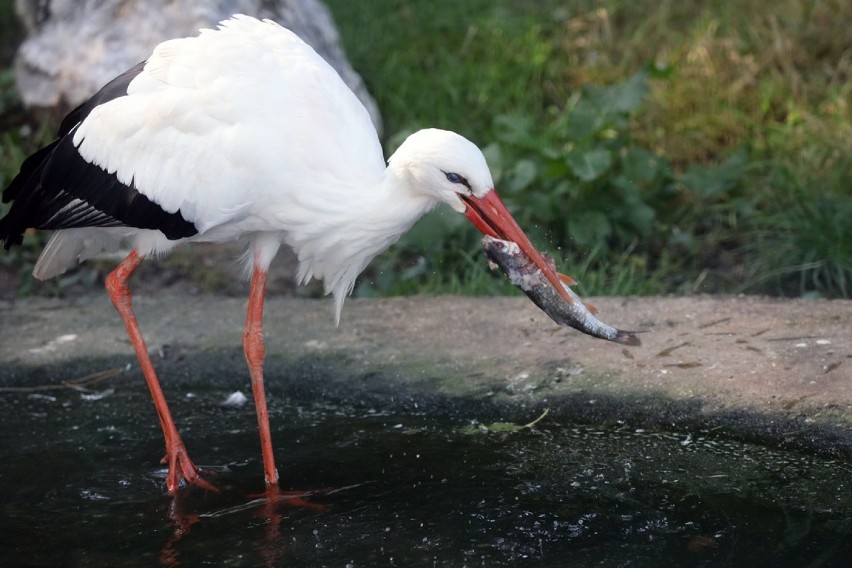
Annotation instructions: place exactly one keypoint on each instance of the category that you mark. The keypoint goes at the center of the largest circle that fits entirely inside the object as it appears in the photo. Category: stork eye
(456, 178)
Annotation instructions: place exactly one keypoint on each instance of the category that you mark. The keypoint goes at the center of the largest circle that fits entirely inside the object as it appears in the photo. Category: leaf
(583, 122)
(712, 181)
(626, 97)
(494, 158)
(523, 174)
(564, 187)
(429, 234)
(514, 129)
(640, 165)
(589, 227)
(589, 166)
(632, 208)
(641, 217)
(557, 170)
(502, 426)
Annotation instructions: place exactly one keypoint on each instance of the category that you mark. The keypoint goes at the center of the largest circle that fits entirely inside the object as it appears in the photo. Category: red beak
(489, 214)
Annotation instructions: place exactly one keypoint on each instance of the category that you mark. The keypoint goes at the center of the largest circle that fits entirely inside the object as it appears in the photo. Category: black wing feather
(58, 189)
(112, 90)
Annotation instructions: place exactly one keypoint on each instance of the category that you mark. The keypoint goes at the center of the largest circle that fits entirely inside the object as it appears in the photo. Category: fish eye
(453, 177)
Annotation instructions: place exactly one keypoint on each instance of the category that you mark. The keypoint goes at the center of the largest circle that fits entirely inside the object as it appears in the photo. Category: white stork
(241, 133)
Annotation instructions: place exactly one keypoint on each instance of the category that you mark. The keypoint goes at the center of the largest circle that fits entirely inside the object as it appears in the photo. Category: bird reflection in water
(268, 506)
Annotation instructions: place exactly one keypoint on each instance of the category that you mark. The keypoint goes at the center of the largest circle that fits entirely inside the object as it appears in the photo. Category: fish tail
(627, 337)
(566, 279)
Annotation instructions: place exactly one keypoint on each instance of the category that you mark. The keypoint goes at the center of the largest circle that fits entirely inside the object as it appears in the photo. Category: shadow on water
(80, 485)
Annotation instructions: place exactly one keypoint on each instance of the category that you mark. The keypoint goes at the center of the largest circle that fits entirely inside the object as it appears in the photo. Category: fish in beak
(490, 215)
(507, 256)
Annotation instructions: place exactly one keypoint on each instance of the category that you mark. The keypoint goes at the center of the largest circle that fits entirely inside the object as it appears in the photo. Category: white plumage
(243, 132)
(255, 152)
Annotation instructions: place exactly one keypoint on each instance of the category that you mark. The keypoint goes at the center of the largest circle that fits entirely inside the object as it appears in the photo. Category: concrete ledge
(770, 370)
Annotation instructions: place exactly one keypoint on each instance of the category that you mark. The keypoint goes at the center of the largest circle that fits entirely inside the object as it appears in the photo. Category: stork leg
(255, 352)
(180, 466)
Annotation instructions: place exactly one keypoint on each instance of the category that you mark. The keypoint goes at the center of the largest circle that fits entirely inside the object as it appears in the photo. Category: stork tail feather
(69, 247)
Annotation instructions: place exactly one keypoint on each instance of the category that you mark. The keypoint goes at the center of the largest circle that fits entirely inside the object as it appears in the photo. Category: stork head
(449, 168)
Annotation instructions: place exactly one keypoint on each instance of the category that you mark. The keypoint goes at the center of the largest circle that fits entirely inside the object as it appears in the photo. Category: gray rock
(74, 47)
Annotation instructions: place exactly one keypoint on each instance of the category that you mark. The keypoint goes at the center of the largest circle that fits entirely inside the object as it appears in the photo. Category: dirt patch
(771, 370)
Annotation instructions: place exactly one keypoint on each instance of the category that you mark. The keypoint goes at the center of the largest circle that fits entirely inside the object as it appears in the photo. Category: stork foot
(182, 472)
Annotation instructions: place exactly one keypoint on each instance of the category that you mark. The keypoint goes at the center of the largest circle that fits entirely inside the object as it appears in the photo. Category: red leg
(180, 466)
(255, 352)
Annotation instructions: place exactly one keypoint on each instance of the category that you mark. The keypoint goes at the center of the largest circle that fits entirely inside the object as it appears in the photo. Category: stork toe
(182, 472)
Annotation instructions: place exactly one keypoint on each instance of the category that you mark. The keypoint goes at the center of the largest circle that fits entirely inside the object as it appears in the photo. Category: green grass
(727, 169)
(802, 244)
(650, 147)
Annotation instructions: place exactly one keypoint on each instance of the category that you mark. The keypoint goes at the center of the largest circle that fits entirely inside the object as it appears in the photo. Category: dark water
(80, 485)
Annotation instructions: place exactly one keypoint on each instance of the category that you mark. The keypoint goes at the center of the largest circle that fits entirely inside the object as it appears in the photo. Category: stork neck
(395, 205)
(366, 221)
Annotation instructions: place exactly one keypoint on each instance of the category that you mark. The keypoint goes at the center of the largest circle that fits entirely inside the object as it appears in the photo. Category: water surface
(81, 485)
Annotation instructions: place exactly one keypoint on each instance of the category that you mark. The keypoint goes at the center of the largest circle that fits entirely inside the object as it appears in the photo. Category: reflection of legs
(169, 555)
(180, 466)
(255, 352)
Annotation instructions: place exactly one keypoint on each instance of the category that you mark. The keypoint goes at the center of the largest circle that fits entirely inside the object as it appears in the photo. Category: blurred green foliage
(650, 147)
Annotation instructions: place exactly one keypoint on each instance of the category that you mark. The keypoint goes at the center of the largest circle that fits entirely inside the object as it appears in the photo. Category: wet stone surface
(724, 440)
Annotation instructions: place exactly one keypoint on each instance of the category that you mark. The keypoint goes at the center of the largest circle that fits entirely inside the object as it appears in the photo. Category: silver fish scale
(523, 273)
